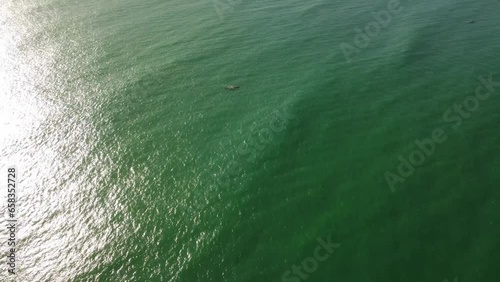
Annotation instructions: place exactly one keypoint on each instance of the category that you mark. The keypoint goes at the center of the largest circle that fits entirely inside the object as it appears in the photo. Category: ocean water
(135, 164)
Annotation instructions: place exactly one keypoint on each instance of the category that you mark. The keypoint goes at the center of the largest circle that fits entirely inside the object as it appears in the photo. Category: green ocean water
(135, 164)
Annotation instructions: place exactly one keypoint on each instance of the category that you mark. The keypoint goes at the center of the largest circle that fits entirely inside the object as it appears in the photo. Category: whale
(232, 87)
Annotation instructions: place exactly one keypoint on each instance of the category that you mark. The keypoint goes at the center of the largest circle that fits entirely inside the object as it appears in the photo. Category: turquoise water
(135, 164)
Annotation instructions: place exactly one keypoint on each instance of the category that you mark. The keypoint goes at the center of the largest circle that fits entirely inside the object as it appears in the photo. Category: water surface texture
(135, 164)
